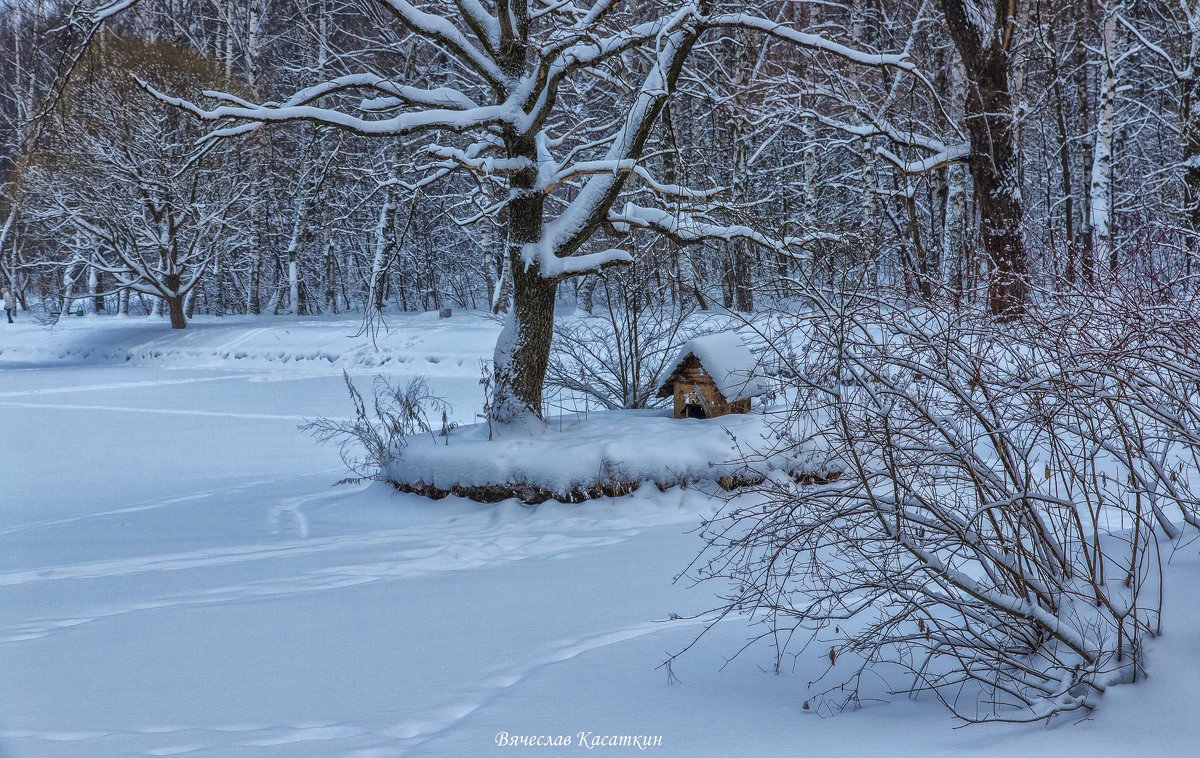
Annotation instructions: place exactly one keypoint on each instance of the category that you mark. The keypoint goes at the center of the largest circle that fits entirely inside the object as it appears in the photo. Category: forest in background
(1054, 140)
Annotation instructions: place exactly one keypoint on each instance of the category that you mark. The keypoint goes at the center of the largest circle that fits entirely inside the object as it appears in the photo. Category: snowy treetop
(728, 361)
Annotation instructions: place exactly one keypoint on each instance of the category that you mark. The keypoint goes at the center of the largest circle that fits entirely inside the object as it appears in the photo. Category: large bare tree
(504, 103)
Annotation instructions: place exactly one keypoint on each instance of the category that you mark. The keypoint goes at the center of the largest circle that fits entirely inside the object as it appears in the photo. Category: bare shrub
(618, 356)
(994, 536)
(376, 436)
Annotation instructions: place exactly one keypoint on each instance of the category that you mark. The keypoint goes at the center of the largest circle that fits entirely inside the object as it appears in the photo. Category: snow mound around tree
(599, 454)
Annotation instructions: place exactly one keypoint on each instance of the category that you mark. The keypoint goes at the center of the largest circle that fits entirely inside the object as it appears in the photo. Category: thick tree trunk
(1000, 227)
(523, 350)
(189, 303)
(994, 162)
(993, 166)
(175, 310)
(174, 302)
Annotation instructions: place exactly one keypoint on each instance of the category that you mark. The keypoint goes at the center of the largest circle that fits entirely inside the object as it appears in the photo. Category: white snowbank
(579, 451)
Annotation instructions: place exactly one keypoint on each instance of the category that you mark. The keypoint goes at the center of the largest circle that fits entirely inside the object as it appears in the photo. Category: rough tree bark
(1190, 113)
(523, 351)
(983, 32)
(174, 301)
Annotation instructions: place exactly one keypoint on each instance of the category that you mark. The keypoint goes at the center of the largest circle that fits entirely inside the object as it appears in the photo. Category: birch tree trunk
(227, 56)
(253, 41)
(95, 300)
(383, 228)
(1087, 242)
(68, 284)
(1100, 190)
(1189, 119)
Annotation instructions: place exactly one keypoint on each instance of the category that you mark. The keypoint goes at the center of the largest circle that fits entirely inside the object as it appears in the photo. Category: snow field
(178, 578)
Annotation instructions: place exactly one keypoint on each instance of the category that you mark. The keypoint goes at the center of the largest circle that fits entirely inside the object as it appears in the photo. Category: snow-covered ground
(178, 577)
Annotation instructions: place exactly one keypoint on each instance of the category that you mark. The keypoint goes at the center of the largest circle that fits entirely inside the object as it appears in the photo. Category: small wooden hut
(714, 375)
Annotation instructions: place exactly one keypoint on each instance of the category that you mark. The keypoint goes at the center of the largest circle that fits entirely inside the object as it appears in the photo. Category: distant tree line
(1022, 144)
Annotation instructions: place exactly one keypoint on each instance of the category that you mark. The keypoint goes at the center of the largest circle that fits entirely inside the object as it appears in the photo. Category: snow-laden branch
(481, 23)
(686, 229)
(392, 95)
(487, 166)
(881, 127)
(629, 165)
(1186, 73)
(448, 35)
(940, 159)
(551, 266)
(583, 49)
(438, 97)
(590, 207)
(100, 15)
(811, 41)
(941, 153)
(401, 124)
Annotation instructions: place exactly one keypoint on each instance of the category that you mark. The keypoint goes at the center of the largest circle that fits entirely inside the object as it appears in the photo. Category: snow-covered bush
(376, 436)
(994, 536)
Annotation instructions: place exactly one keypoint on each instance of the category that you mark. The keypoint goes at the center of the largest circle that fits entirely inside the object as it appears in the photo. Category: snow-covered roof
(727, 360)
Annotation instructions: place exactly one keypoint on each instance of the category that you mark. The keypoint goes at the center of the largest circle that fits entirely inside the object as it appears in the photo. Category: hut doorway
(694, 405)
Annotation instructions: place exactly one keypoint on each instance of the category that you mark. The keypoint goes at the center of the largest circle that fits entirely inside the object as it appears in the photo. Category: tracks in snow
(383, 738)
(282, 566)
